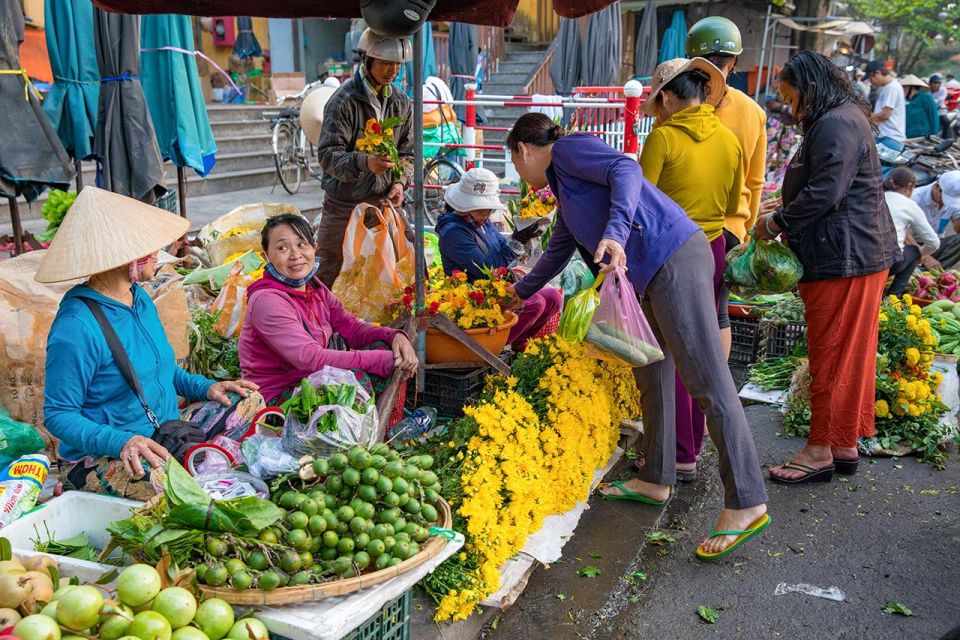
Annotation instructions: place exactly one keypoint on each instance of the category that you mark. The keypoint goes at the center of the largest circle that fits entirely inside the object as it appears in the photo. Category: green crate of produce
(392, 622)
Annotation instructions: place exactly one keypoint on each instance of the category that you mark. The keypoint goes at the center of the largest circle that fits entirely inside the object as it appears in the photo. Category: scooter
(927, 157)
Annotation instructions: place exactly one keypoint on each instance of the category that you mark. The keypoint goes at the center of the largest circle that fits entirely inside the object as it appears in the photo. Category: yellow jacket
(696, 161)
(748, 121)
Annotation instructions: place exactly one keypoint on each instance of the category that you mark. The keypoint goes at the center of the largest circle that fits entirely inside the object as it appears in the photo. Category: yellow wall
(33, 9)
(221, 55)
(536, 20)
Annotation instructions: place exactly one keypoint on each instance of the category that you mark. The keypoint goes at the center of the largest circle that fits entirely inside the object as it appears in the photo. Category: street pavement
(890, 533)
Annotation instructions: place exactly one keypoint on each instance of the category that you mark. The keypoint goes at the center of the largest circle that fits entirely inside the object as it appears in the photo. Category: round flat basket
(314, 592)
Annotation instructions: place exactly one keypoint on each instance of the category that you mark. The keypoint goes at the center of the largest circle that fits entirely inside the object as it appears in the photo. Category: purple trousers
(535, 312)
(691, 422)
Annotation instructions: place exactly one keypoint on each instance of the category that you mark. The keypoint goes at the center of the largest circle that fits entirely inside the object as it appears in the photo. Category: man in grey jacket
(351, 176)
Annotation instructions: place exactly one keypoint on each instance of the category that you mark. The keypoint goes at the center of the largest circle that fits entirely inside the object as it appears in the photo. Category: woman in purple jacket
(609, 209)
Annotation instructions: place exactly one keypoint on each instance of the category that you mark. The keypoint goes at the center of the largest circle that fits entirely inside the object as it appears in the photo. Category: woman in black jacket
(836, 220)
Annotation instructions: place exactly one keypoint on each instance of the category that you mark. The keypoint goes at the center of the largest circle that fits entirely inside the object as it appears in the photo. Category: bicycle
(292, 152)
(440, 171)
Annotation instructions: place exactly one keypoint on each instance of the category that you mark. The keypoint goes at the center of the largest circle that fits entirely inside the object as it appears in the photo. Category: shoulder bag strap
(120, 358)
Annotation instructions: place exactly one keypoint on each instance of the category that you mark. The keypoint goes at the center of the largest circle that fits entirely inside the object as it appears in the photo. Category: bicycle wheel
(439, 172)
(285, 157)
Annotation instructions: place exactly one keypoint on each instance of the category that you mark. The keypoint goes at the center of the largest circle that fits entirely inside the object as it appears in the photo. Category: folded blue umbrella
(71, 104)
(674, 43)
(171, 84)
(404, 80)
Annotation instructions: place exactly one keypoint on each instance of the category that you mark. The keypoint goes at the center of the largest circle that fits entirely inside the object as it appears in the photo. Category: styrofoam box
(67, 515)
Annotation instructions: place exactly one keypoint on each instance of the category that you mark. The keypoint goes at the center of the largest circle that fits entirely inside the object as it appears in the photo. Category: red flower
(500, 272)
(408, 290)
(434, 308)
(377, 128)
(477, 297)
(407, 300)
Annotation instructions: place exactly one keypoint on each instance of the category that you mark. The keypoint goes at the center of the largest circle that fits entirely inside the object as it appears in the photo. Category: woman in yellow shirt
(695, 160)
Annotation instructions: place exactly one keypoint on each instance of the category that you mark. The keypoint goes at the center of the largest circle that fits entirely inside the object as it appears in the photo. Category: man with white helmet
(351, 176)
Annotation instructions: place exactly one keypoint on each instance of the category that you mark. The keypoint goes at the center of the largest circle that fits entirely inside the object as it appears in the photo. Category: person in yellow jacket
(697, 162)
(718, 40)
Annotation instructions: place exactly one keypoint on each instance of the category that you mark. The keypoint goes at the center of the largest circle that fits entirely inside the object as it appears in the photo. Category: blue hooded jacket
(464, 247)
(602, 194)
(87, 404)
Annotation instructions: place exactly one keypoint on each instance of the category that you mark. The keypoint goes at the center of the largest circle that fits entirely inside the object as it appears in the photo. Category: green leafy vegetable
(211, 354)
(589, 571)
(897, 608)
(707, 614)
(54, 211)
(660, 538)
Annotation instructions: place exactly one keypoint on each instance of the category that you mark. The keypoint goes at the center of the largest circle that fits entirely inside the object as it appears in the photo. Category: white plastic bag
(353, 427)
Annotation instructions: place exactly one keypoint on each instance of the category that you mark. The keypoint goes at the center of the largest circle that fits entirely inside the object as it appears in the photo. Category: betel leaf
(255, 514)
(180, 487)
(707, 614)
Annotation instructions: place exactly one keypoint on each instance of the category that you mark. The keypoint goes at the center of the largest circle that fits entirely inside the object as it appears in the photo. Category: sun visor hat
(396, 18)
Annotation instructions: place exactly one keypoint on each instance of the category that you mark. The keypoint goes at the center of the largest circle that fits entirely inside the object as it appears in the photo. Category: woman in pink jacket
(291, 316)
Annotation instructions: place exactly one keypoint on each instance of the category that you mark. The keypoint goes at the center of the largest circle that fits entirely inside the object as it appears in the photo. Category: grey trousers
(679, 306)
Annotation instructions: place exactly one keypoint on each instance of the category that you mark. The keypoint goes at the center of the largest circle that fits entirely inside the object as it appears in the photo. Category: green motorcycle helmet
(714, 35)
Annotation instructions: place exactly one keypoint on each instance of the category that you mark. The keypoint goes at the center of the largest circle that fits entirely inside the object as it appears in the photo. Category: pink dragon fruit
(947, 279)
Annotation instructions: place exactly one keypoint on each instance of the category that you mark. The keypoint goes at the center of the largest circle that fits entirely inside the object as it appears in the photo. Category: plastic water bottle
(414, 425)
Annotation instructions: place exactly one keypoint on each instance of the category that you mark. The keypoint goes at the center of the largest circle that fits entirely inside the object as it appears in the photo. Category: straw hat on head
(911, 80)
(105, 230)
(670, 69)
(311, 111)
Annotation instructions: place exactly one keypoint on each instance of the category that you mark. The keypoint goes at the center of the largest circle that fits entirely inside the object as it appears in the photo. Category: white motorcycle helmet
(373, 45)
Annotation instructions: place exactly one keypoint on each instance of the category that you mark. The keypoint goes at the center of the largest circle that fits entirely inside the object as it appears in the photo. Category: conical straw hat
(104, 230)
(311, 112)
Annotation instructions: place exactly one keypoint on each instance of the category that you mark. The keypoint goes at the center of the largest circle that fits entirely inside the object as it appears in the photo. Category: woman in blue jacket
(607, 207)
(471, 243)
(106, 432)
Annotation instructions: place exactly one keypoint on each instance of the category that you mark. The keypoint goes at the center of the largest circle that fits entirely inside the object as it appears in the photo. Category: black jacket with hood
(834, 213)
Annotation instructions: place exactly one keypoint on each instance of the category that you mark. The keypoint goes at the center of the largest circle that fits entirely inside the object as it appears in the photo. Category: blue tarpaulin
(674, 43)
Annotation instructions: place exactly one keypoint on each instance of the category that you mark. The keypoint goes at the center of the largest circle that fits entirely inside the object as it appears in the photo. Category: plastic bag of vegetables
(619, 331)
(578, 312)
(762, 267)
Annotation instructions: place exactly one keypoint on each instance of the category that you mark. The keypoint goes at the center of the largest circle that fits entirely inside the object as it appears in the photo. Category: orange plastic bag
(378, 262)
(232, 302)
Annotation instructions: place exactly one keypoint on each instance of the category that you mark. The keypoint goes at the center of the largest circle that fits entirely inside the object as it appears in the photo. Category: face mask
(136, 269)
(290, 282)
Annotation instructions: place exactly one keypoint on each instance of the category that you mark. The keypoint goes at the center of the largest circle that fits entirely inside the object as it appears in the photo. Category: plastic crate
(744, 340)
(781, 341)
(168, 201)
(448, 390)
(392, 622)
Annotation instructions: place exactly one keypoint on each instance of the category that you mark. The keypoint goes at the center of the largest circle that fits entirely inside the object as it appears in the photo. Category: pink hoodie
(285, 334)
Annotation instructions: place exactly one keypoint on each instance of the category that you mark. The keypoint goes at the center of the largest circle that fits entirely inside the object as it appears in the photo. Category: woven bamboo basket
(314, 592)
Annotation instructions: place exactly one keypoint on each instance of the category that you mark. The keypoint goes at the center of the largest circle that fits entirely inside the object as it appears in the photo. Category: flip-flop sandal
(743, 535)
(823, 474)
(847, 467)
(632, 496)
(682, 476)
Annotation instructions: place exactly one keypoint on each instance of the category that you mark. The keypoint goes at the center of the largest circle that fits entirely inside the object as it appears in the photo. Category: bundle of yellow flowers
(527, 450)
(908, 406)
(377, 139)
(479, 304)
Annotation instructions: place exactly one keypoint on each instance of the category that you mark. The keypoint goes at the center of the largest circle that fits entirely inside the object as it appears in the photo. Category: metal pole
(420, 343)
(182, 191)
(76, 165)
(773, 52)
(17, 228)
(763, 51)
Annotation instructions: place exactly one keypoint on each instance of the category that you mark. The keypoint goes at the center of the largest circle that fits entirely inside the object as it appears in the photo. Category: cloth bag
(619, 332)
(231, 302)
(378, 262)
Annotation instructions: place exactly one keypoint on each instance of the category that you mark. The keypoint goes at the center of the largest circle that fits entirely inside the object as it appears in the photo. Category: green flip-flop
(743, 535)
(633, 496)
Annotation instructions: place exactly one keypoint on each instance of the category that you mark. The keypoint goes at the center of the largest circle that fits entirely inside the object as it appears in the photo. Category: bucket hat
(667, 71)
(477, 189)
(105, 230)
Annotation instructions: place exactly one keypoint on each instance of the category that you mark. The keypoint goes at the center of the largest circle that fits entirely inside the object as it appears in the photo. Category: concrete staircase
(514, 70)
(244, 158)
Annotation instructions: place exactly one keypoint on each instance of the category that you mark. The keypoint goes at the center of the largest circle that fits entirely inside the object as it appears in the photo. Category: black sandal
(847, 467)
(823, 474)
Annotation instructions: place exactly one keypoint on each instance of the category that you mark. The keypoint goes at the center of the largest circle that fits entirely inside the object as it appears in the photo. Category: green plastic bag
(578, 312)
(575, 278)
(16, 439)
(762, 267)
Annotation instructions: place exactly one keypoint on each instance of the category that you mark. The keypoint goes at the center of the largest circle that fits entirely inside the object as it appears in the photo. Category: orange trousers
(842, 329)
